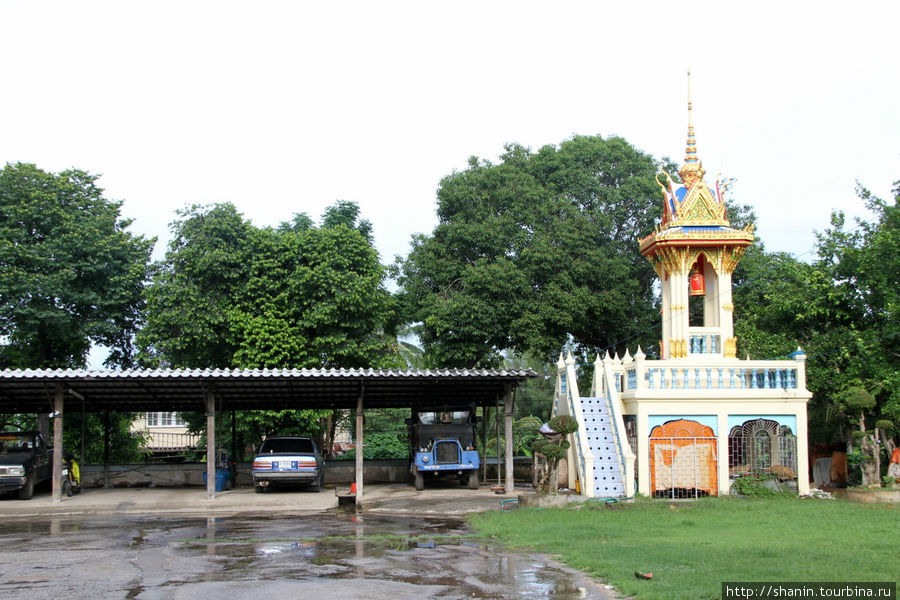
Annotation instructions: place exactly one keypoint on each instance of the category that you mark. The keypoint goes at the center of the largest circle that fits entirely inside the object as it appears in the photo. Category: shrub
(379, 446)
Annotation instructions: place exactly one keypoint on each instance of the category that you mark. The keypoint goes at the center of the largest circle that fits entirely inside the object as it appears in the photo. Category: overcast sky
(284, 107)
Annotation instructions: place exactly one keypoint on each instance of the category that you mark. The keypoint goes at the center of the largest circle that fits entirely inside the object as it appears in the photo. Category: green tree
(534, 397)
(194, 288)
(533, 250)
(863, 263)
(232, 295)
(71, 275)
(773, 314)
(843, 309)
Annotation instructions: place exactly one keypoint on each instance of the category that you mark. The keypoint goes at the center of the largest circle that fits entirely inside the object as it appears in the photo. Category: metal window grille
(764, 455)
(683, 467)
(631, 434)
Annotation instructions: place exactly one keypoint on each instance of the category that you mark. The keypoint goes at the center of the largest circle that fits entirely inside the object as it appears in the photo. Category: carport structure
(56, 392)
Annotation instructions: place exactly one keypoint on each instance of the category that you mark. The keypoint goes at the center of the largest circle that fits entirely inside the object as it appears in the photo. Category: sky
(286, 107)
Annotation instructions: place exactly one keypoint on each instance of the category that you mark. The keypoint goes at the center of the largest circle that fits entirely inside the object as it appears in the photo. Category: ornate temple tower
(694, 251)
(697, 420)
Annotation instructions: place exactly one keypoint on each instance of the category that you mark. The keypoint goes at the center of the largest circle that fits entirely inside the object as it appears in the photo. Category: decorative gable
(700, 208)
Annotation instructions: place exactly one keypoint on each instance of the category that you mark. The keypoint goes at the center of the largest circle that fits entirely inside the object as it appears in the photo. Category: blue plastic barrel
(221, 479)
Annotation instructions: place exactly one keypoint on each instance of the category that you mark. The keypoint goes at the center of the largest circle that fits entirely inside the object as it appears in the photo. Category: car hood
(16, 458)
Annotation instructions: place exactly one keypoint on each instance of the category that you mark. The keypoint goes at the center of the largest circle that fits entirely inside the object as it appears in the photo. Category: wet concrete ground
(160, 543)
(330, 554)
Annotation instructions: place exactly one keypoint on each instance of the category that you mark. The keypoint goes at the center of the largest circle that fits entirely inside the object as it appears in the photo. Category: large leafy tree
(71, 275)
(844, 310)
(232, 295)
(193, 289)
(229, 294)
(534, 250)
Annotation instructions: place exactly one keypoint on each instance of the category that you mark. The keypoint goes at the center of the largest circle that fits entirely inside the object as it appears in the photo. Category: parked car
(288, 460)
(25, 461)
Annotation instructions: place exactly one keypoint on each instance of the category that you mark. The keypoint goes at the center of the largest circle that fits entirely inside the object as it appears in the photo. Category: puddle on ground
(381, 556)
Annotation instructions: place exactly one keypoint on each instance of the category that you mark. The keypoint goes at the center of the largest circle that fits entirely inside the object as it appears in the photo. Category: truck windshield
(434, 418)
(16, 442)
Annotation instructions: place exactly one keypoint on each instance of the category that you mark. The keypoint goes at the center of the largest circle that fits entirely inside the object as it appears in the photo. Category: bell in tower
(694, 250)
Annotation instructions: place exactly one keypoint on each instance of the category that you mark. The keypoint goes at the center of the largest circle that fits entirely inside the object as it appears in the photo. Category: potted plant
(553, 447)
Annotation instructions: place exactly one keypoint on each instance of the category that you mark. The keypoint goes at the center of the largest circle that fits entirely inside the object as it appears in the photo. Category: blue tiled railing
(673, 378)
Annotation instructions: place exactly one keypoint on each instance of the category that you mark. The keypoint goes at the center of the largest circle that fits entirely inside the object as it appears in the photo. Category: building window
(164, 419)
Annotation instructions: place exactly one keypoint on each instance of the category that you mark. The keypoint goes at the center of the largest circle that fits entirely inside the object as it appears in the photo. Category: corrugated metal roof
(237, 373)
(137, 390)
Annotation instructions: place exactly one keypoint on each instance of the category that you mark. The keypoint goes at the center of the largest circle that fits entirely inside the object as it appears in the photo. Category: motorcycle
(71, 475)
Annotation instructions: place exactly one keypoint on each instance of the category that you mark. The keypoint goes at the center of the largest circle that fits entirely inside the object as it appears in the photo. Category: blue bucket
(221, 479)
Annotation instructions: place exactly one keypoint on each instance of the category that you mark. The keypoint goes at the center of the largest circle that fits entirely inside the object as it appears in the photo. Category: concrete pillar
(57, 443)
(725, 308)
(508, 404)
(802, 451)
(484, 427)
(713, 300)
(643, 451)
(722, 455)
(106, 483)
(680, 313)
(666, 316)
(210, 399)
(359, 449)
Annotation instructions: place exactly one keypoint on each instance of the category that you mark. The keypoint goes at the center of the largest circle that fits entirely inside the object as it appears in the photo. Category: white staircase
(601, 435)
(600, 456)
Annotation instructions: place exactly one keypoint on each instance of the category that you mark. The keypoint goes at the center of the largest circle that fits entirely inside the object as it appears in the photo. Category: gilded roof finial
(690, 106)
(692, 171)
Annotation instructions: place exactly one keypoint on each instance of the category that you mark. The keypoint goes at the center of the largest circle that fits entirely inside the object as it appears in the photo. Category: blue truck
(442, 444)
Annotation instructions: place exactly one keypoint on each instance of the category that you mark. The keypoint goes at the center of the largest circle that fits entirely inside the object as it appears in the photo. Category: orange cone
(353, 488)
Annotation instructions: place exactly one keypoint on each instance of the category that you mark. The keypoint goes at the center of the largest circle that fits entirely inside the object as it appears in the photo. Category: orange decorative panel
(683, 459)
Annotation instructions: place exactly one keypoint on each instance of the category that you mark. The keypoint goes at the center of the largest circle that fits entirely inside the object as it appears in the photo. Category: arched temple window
(764, 448)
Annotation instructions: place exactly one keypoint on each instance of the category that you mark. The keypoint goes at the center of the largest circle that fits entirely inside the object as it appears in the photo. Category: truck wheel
(316, 485)
(27, 490)
(473, 479)
(420, 480)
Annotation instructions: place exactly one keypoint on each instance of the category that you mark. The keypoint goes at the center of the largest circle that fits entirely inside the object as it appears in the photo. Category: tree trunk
(871, 475)
(877, 452)
(553, 484)
(888, 443)
(328, 436)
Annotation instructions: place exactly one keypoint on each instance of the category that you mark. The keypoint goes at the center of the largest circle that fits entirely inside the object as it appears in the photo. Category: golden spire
(692, 171)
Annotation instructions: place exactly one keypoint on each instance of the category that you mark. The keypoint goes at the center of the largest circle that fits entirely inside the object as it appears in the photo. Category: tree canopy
(71, 275)
(535, 250)
(229, 294)
(843, 309)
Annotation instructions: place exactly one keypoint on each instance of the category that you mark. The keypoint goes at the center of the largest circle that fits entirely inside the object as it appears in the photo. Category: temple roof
(693, 213)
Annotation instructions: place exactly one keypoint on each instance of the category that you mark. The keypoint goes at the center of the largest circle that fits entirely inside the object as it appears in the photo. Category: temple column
(643, 451)
(726, 314)
(678, 319)
(722, 457)
(665, 350)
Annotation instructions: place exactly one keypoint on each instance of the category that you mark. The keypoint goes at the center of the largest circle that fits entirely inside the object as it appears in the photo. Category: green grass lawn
(692, 547)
